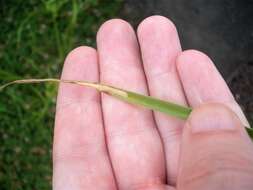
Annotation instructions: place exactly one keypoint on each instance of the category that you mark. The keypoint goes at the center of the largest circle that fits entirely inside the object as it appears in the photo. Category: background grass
(35, 36)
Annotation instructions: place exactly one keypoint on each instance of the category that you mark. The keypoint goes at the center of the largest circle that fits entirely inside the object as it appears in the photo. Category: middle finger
(159, 47)
(133, 141)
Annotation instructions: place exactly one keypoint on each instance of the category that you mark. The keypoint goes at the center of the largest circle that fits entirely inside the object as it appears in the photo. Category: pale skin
(102, 143)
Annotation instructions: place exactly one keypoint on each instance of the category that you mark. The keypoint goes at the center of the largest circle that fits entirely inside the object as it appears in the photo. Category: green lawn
(35, 36)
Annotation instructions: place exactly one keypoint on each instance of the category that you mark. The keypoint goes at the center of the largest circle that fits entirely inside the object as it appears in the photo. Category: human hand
(110, 144)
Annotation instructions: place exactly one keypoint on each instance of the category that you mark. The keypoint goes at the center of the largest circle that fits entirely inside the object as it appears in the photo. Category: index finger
(203, 83)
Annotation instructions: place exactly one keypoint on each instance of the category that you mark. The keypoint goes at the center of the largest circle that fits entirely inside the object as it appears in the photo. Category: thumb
(216, 152)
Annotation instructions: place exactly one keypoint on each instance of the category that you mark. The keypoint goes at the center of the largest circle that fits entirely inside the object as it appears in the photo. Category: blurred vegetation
(35, 37)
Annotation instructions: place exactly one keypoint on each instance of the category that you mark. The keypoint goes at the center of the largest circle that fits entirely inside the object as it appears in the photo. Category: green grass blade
(157, 105)
(250, 132)
(149, 102)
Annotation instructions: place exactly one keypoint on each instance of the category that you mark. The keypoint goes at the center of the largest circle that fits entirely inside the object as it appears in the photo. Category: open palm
(104, 143)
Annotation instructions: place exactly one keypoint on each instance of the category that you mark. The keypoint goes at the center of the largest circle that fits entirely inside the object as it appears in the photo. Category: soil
(241, 85)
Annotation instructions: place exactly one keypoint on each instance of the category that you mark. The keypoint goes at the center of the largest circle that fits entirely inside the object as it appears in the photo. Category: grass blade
(250, 132)
(149, 102)
(158, 105)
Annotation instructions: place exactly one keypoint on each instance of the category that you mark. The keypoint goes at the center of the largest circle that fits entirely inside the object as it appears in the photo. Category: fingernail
(212, 118)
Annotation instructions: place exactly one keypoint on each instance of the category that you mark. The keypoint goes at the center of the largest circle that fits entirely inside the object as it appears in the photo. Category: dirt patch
(241, 84)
